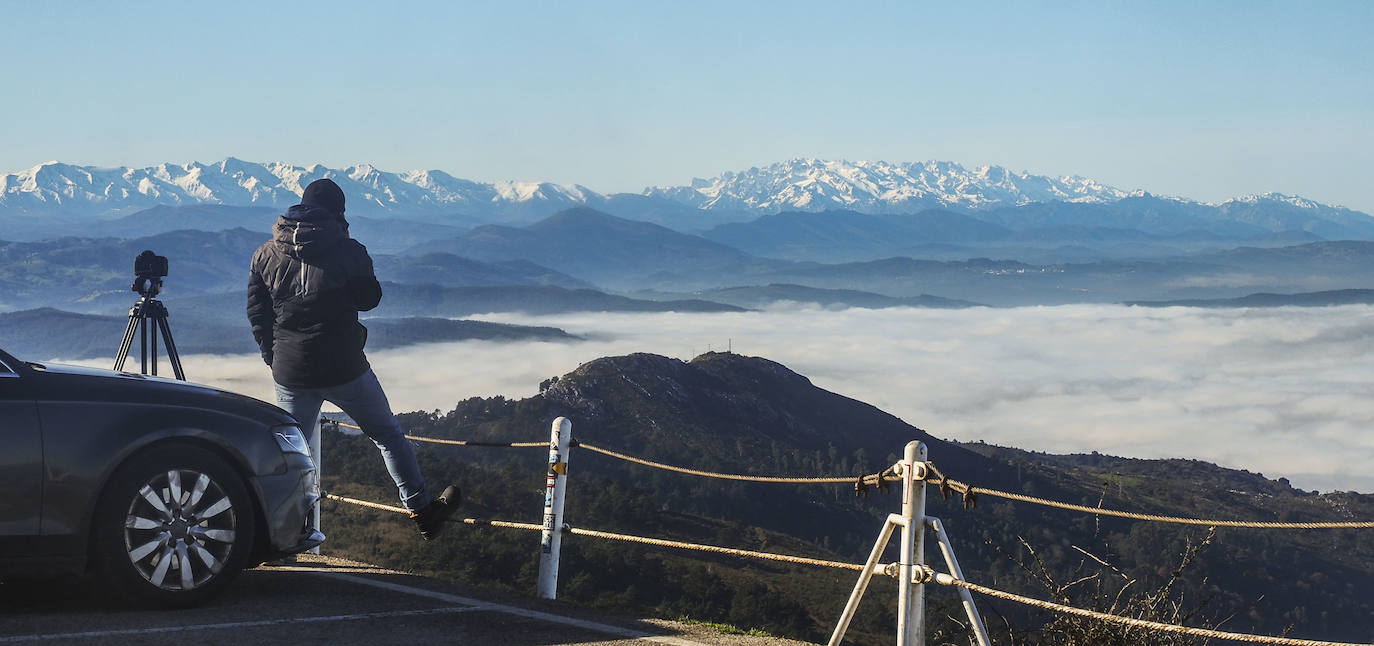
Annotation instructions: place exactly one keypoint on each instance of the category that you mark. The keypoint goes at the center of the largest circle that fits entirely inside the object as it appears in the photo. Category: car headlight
(291, 440)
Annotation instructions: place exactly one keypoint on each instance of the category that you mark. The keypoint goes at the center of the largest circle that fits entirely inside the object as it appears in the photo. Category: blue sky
(1202, 100)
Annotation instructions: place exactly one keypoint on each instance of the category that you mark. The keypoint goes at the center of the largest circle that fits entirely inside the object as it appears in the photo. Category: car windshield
(7, 364)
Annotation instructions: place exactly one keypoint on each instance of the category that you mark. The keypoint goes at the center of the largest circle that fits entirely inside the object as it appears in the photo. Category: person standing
(305, 288)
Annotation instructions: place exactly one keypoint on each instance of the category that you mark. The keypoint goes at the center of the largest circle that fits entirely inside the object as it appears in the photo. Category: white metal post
(556, 482)
(910, 597)
(316, 452)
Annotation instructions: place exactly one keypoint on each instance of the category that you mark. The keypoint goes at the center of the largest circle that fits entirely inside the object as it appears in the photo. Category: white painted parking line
(94, 634)
(478, 604)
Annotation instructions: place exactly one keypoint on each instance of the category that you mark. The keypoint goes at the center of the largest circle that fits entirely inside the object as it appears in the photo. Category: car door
(21, 460)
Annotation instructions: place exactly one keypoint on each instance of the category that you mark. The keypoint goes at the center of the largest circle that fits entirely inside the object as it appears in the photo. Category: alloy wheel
(180, 529)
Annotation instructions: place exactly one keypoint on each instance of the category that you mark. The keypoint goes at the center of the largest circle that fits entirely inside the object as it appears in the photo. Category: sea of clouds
(1288, 392)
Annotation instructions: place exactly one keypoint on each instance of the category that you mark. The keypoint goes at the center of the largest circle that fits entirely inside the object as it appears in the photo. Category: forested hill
(730, 413)
(728, 409)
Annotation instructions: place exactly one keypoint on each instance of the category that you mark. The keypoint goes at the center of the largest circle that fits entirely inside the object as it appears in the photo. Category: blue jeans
(364, 401)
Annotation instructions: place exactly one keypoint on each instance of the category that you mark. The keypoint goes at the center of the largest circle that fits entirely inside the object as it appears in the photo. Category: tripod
(149, 311)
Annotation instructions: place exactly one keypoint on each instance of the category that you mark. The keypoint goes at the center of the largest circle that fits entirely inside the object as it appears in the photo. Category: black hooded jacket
(305, 289)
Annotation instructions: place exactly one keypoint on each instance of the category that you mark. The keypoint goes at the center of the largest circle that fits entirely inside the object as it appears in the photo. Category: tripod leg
(172, 355)
(128, 341)
(152, 346)
(143, 330)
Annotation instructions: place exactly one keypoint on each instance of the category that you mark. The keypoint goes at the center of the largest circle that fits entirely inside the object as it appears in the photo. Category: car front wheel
(174, 527)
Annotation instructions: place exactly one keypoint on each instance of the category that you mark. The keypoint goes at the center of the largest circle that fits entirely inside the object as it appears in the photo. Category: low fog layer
(1286, 392)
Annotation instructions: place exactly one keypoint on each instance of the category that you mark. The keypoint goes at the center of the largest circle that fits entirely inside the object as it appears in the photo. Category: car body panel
(21, 461)
(83, 423)
(294, 492)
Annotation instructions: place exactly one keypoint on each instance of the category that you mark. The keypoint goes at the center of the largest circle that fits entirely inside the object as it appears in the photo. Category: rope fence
(767, 556)
(720, 476)
(969, 491)
(402, 510)
(1178, 520)
(868, 479)
(917, 469)
(433, 440)
(925, 574)
(629, 538)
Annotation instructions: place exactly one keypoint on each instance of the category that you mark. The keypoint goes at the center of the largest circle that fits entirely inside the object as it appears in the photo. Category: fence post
(315, 452)
(911, 597)
(555, 485)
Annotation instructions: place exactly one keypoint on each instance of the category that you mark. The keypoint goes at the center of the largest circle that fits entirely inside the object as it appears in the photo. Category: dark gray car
(166, 489)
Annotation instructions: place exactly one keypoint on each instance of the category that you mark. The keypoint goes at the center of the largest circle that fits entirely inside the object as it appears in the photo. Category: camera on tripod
(149, 270)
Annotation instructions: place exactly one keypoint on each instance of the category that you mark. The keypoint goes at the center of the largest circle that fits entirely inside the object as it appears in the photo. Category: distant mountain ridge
(93, 275)
(582, 248)
(58, 189)
(882, 187)
(596, 246)
(1133, 227)
(64, 189)
(1310, 299)
(44, 334)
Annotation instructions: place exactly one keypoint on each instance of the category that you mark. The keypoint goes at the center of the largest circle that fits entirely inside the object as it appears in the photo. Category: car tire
(173, 527)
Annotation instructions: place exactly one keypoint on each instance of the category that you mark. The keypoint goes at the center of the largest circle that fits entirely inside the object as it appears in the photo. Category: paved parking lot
(321, 600)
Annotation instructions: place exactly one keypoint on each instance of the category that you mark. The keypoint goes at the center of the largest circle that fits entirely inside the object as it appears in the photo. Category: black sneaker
(432, 517)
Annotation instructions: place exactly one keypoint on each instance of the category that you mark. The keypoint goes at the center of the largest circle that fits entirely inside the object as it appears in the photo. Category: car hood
(55, 381)
(68, 369)
(101, 373)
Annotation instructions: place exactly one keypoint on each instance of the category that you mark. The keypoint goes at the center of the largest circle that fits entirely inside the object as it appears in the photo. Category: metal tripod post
(551, 543)
(910, 597)
(911, 601)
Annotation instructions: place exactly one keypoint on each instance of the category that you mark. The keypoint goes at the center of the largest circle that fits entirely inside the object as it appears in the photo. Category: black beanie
(326, 194)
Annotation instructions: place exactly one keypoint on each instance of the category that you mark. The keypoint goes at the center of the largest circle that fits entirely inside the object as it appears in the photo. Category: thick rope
(728, 476)
(945, 579)
(364, 503)
(964, 487)
(509, 445)
(402, 510)
(431, 440)
(768, 556)
(869, 479)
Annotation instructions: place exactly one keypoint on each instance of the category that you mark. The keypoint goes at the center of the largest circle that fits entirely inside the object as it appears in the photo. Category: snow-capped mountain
(808, 185)
(1279, 212)
(57, 188)
(881, 187)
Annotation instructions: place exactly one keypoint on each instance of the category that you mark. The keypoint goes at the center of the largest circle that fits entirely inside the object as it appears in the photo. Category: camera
(150, 265)
(149, 270)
